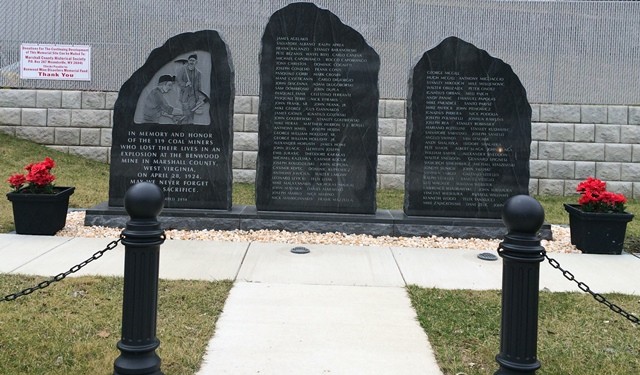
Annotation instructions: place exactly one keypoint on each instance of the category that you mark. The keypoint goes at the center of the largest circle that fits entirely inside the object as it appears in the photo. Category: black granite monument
(318, 115)
(468, 134)
(173, 124)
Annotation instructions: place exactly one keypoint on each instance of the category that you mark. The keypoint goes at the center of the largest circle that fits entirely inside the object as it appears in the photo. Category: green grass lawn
(73, 327)
(576, 335)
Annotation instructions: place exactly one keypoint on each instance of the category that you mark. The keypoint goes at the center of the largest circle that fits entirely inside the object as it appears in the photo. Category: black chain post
(521, 253)
(142, 238)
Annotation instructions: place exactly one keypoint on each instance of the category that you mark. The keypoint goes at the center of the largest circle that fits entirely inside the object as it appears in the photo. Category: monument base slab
(382, 223)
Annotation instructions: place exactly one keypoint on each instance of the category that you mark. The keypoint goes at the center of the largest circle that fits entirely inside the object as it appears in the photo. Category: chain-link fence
(564, 51)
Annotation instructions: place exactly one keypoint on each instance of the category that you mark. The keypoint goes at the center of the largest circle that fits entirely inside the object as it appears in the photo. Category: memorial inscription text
(312, 95)
(463, 134)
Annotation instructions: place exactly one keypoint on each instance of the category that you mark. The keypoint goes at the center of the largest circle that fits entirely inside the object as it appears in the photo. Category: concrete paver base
(318, 329)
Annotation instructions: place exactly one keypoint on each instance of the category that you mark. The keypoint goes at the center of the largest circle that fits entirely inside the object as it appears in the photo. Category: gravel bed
(75, 228)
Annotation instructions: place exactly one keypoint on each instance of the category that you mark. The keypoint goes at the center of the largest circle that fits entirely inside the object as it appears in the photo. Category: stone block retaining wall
(569, 142)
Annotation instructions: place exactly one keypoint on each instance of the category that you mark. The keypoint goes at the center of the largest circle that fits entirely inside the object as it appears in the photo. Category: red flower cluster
(38, 179)
(596, 198)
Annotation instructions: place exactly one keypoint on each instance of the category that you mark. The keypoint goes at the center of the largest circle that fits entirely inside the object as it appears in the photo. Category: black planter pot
(596, 232)
(40, 213)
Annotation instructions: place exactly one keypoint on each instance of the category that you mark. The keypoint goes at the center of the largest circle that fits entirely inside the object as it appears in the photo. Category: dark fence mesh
(563, 51)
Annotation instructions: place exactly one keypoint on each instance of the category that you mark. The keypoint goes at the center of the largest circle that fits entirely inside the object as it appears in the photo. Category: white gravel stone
(75, 228)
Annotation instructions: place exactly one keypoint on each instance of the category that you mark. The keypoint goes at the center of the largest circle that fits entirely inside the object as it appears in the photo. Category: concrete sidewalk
(337, 309)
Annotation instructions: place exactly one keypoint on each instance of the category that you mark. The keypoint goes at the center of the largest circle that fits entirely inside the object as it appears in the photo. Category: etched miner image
(192, 97)
(468, 134)
(156, 105)
(173, 124)
(318, 115)
(188, 94)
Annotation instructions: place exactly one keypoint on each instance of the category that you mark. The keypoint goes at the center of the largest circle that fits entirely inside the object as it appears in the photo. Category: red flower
(16, 181)
(595, 198)
(39, 178)
(48, 163)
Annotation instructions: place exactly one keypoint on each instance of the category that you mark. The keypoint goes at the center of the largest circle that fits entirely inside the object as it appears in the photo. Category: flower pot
(597, 232)
(40, 213)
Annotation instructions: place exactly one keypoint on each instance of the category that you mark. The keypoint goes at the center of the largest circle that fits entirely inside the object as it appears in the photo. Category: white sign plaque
(55, 61)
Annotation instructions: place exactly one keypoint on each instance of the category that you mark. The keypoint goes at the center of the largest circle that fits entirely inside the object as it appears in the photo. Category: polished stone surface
(468, 134)
(173, 124)
(318, 115)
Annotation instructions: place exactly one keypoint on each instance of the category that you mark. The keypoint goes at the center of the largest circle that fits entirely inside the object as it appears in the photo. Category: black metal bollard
(142, 239)
(521, 253)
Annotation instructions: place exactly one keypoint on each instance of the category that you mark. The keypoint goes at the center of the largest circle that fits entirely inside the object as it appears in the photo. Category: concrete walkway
(335, 310)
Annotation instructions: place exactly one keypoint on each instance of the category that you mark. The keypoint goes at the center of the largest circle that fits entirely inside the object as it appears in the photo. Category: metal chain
(597, 296)
(62, 275)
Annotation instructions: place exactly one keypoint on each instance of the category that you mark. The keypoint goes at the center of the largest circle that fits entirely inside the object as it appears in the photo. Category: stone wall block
(617, 152)
(570, 188)
(89, 118)
(106, 137)
(607, 171)
(621, 187)
(48, 98)
(90, 137)
(595, 114)
(386, 127)
(585, 169)
(34, 117)
(584, 132)
(539, 131)
(559, 113)
(110, 99)
(17, 98)
(607, 133)
(550, 187)
(11, 130)
(535, 112)
(255, 104)
(630, 133)
(244, 176)
(583, 151)
(533, 153)
(635, 153)
(238, 122)
(242, 104)
(93, 100)
(386, 164)
(10, 116)
(630, 172)
(381, 105)
(41, 135)
(392, 145)
(636, 190)
(71, 99)
(634, 115)
(392, 181)
(67, 136)
(58, 117)
(236, 161)
(249, 160)
(251, 123)
(618, 114)
(395, 109)
(245, 141)
(560, 132)
(561, 169)
(550, 150)
(400, 164)
(401, 127)
(533, 186)
(538, 168)
(100, 154)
